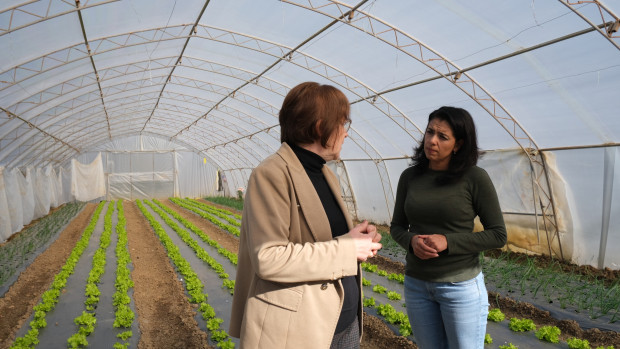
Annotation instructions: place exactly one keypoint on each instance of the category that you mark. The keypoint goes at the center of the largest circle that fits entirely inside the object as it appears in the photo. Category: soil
(166, 319)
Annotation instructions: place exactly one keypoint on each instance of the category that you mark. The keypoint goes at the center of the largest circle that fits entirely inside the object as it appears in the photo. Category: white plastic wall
(24, 198)
(584, 185)
(5, 219)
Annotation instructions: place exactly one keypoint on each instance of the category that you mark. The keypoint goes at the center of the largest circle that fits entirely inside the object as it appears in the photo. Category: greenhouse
(123, 124)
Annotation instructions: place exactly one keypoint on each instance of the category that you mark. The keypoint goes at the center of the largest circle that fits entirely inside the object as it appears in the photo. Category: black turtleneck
(313, 164)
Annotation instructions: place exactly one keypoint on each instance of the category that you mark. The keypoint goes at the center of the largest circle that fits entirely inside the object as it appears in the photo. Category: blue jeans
(447, 314)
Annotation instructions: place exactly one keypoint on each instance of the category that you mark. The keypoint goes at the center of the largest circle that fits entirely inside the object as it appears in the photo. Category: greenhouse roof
(211, 75)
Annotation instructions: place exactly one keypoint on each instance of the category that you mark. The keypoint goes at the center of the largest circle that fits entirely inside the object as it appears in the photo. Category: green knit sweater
(424, 207)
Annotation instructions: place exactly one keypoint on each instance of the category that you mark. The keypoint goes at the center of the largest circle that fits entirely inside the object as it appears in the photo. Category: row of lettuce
(87, 320)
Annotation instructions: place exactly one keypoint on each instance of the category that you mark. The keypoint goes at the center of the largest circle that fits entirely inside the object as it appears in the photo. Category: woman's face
(334, 145)
(439, 144)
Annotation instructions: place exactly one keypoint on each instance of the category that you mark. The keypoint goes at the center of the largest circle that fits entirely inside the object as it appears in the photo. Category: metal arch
(180, 57)
(160, 135)
(106, 44)
(611, 27)
(93, 96)
(425, 55)
(245, 155)
(366, 146)
(187, 145)
(58, 90)
(66, 154)
(285, 54)
(45, 141)
(220, 121)
(197, 138)
(86, 118)
(111, 102)
(135, 37)
(54, 120)
(78, 52)
(36, 144)
(35, 100)
(22, 10)
(236, 157)
(381, 168)
(451, 72)
(144, 66)
(265, 82)
(34, 127)
(345, 183)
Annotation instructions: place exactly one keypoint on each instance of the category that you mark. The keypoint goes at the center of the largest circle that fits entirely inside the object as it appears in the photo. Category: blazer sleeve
(268, 220)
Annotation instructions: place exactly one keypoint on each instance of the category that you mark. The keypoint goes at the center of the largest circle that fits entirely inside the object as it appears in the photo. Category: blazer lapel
(307, 197)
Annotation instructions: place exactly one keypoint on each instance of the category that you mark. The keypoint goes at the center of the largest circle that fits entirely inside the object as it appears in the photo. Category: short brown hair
(307, 105)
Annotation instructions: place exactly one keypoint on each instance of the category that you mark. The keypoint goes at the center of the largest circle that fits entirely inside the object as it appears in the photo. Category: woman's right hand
(366, 240)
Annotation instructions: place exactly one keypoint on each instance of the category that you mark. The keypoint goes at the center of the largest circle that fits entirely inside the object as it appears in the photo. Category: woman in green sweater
(437, 200)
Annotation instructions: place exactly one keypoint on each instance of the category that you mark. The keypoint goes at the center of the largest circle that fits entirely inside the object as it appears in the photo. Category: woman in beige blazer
(298, 281)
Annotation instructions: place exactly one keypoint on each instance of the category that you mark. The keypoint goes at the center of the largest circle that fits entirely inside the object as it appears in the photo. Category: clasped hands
(366, 239)
(428, 246)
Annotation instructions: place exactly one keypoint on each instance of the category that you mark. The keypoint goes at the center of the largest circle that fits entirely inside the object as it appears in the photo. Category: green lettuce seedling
(549, 334)
(496, 315)
(521, 325)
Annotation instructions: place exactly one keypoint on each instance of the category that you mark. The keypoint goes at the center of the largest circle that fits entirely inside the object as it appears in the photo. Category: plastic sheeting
(139, 167)
(88, 182)
(29, 193)
(25, 187)
(5, 219)
(13, 192)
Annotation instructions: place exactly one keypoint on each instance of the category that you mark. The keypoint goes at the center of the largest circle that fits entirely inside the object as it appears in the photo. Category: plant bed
(20, 249)
(172, 319)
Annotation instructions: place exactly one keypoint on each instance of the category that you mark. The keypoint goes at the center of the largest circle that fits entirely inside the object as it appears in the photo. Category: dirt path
(165, 316)
(16, 305)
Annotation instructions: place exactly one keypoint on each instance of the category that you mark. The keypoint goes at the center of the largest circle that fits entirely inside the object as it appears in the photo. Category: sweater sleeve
(267, 229)
(399, 227)
(486, 206)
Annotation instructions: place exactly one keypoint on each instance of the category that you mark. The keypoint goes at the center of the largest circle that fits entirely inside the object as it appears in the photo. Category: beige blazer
(288, 292)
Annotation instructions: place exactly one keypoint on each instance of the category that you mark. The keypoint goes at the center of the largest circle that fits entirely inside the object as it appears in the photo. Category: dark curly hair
(464, 129)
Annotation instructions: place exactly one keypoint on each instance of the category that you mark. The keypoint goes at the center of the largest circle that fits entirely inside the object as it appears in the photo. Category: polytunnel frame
(56, 120)
(406, 124)
(531, 152)
(344, 14)
(611, 27)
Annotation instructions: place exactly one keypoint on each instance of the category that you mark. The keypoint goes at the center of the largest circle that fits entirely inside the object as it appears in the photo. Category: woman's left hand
(436, 242)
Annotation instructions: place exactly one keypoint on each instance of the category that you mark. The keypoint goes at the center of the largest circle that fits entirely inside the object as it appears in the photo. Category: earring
(454, 152)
